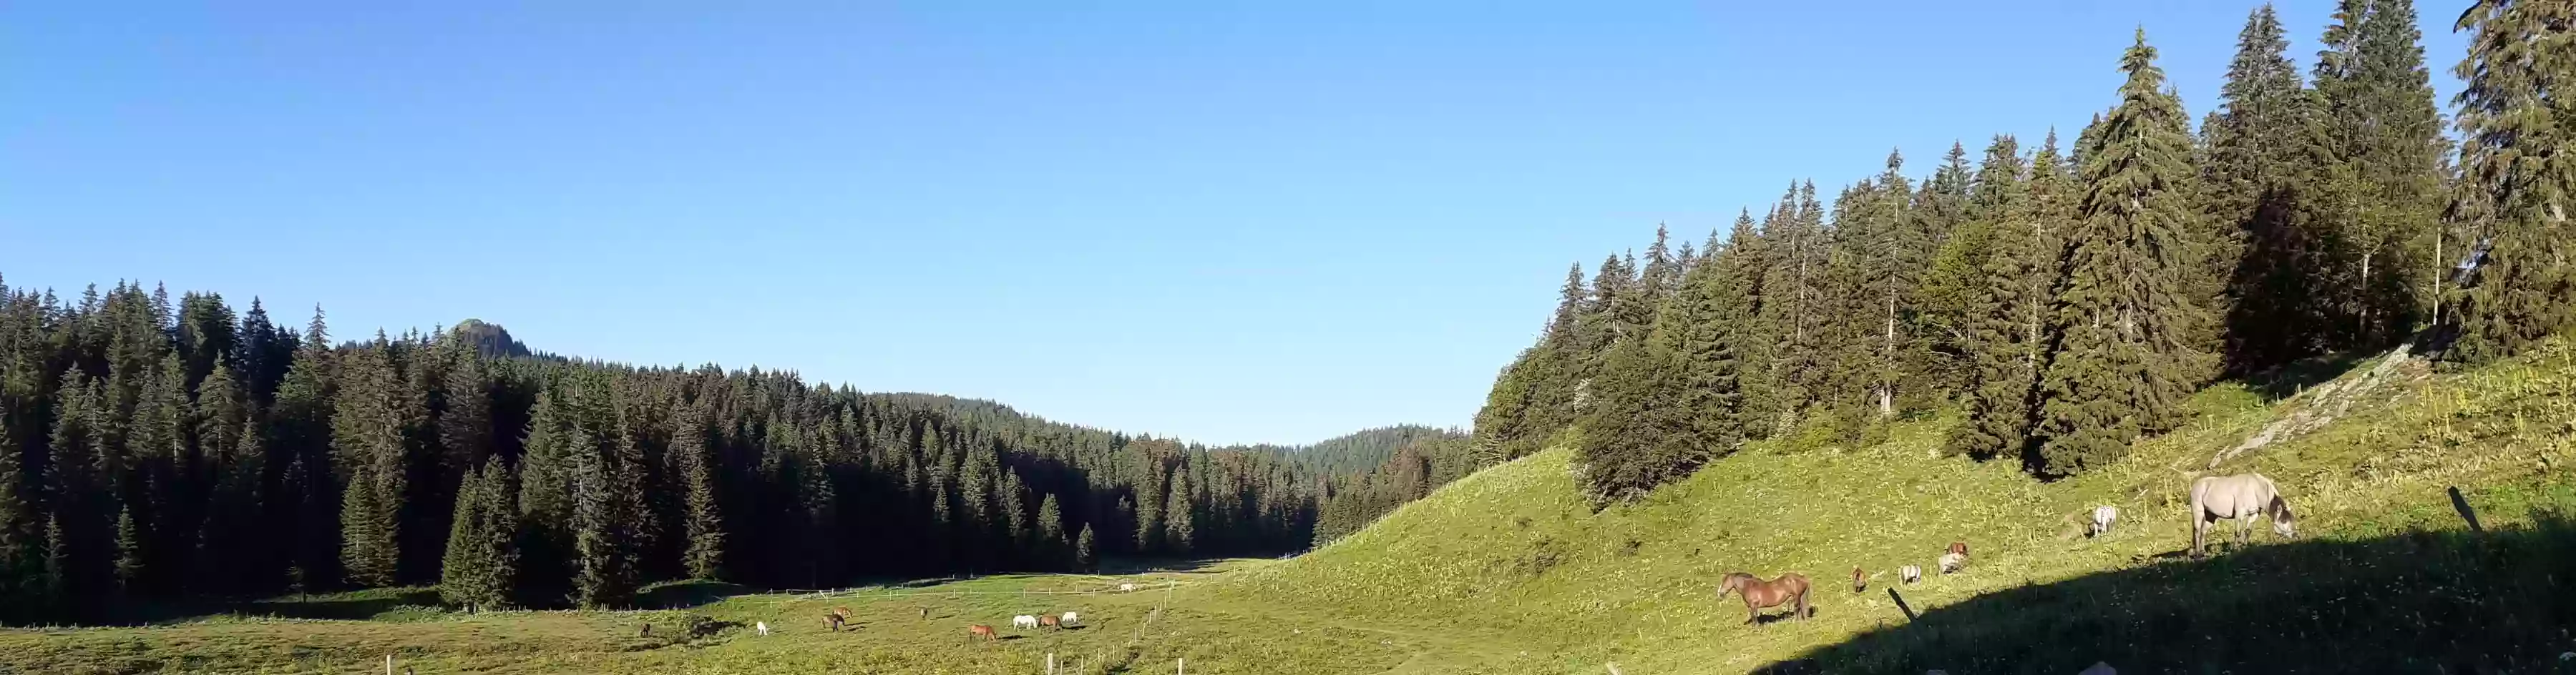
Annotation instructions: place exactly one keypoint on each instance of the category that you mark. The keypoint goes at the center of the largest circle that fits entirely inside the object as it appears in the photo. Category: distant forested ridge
(1363, 451)
(159, 448)
(2065, 300)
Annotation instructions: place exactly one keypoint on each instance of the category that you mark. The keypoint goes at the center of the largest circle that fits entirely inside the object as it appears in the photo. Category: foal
(1789, 589)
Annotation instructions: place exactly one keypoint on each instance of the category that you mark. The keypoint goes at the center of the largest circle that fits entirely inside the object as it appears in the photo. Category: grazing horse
(843, 611)
(925, 614)
(1126, 588)
(762, 626)
(1069, 618)
(1758, 594)
(2103, 516)
(1860, 580)
(1910, 574)
(2243, 498)
(1956, 559)
(1024, 621)
(980, 631)
(1047, 620)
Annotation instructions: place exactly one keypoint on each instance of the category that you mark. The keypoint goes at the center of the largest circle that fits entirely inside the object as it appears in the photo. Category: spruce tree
(2125, 320)
(1180, 516)
(1892, 250)
(2262, 188)
(2005, 311)
(129, 554)
(465, 421)
(367, 435)
(1702, 331)
(1742, 268)
(1149, 511)
(704, 557)
(2385, 148)
(20, 586)
(2510, 168)
(1086, 551)
(1793, 312)
(478, 569)
(1051, 546)
(1642, 434)
(603, 572)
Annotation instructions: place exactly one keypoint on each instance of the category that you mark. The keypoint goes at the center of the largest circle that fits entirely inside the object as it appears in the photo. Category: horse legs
(2199, 530)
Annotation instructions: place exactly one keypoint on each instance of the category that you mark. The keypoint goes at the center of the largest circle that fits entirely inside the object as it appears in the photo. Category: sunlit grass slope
(1516, 552)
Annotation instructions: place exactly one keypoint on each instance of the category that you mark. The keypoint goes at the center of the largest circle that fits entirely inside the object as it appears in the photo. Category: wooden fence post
(1180, 667)
(389, 664)
(2466, 513)
(1900, 603)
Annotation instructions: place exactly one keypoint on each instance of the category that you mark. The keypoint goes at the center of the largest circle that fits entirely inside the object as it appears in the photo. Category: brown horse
(1959, 547)
(843, 611)
(1758, 594)
(980, 631)
(1860, 580)
(1048, 621)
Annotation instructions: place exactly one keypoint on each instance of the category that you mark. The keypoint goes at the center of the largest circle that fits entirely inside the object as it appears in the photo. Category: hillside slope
(1516, 552)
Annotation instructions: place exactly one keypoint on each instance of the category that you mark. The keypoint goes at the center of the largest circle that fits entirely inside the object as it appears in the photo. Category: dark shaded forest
(159, 449)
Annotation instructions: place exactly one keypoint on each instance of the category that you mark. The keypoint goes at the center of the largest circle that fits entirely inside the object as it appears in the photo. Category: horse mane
(2280, 509)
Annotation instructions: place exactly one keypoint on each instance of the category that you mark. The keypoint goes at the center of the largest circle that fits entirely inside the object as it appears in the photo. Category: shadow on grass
(360, 606)
(2427, 602)
(2297, 376)
(689, 594)
(1148, 565)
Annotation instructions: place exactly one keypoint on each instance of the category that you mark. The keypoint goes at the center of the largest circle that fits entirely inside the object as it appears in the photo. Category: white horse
(1952, 562)
(762, 626)
(1910, 573)
(1028, 621)
(2103, 516)
(1068, 618)
(2242, 498)
(1126, 588)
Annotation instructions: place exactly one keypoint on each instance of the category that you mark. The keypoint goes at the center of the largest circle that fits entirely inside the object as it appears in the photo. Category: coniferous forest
(153, 450)
(2064, 297)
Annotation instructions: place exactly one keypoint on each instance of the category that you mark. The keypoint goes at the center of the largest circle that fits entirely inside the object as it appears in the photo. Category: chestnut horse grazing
(980, 631)
(1758, 594)
(1047, 620)
(1860, 580)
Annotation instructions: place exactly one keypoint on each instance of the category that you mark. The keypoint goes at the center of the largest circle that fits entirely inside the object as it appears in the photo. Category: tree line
(2066, 300)
(152, 450)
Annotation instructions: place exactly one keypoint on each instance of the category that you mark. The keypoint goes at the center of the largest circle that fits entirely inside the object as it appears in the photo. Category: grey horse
(2242, 498)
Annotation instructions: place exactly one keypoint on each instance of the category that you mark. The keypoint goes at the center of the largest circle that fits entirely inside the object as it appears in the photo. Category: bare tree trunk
(2365, 332)
(1887, 361)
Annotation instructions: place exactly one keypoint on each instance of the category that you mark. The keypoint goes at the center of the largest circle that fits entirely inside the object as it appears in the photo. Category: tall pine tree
(2126, 355)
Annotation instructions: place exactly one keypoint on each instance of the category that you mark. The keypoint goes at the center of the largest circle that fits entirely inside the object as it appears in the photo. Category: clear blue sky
(1211, 220)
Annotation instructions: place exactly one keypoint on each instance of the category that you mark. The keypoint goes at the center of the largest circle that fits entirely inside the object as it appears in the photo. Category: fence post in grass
(1900, 604)
(2466, 513)
(1180, 667)
(1050, 663)
(389, 664)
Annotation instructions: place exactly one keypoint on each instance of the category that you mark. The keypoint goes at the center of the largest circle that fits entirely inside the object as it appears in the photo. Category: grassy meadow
(1511, 571)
